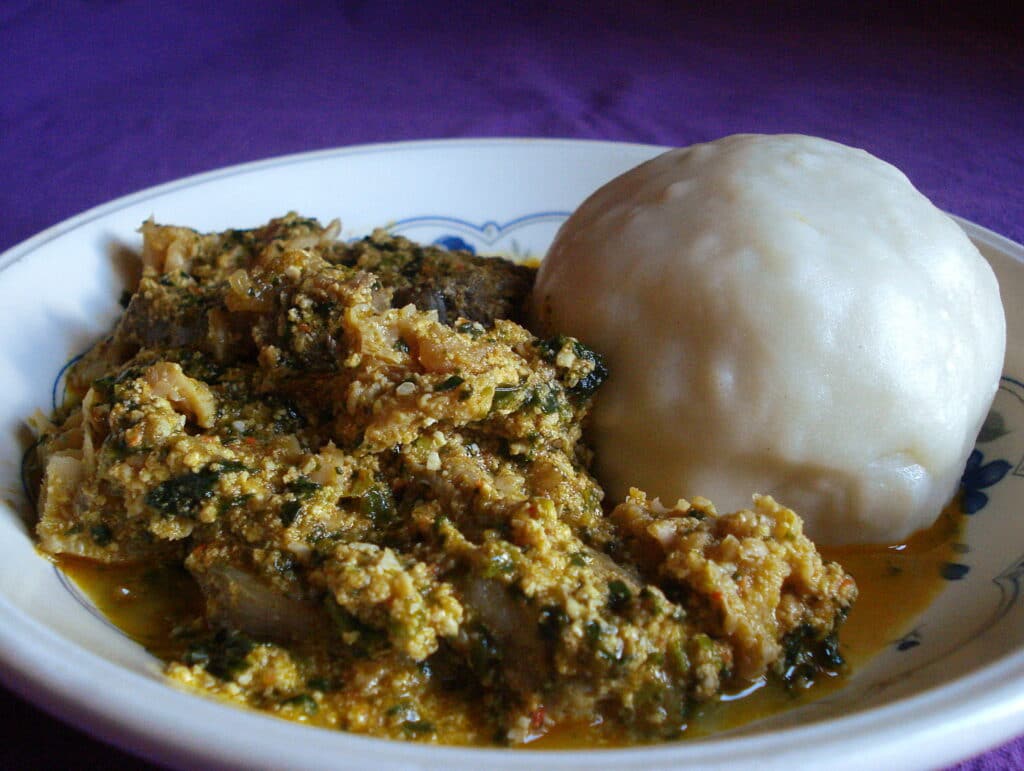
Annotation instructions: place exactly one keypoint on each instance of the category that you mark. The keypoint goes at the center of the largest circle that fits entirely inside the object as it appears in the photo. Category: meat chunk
(238, 599)
(455, 284)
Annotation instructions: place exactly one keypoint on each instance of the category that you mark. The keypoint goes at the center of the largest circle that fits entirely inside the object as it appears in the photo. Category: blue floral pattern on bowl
(522, 238)
(980, 478)
(980, 475)
(454, 243)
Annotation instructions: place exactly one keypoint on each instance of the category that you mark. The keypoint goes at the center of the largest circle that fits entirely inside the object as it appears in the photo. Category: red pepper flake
(537, 718)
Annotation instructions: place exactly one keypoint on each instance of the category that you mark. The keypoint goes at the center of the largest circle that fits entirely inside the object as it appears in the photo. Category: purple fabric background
(99, 99)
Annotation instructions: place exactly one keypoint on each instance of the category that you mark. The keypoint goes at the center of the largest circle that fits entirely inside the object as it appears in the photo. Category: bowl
(949, 686)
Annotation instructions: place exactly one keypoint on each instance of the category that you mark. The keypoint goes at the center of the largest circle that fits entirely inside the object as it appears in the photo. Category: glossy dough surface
(782, 315)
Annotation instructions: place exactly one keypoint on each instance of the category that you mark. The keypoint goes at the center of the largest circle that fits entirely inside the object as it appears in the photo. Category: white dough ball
(782, 315)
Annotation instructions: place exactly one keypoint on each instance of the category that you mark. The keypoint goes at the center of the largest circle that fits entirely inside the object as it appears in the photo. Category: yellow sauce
(896, 584)
(145, 602)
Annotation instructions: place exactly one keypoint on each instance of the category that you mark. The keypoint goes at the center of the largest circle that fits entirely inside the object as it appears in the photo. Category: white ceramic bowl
(952, 686)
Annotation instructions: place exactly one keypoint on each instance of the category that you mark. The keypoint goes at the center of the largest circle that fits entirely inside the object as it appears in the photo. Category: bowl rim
(138, 713)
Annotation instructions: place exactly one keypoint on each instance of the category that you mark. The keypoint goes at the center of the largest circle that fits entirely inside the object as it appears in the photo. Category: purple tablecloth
(99, 99)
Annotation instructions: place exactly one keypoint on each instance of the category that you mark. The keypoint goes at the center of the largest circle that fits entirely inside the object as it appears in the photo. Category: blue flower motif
(910, 640)
(954, 571)
(1009, 583)
(453, 243)
(980, 475)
